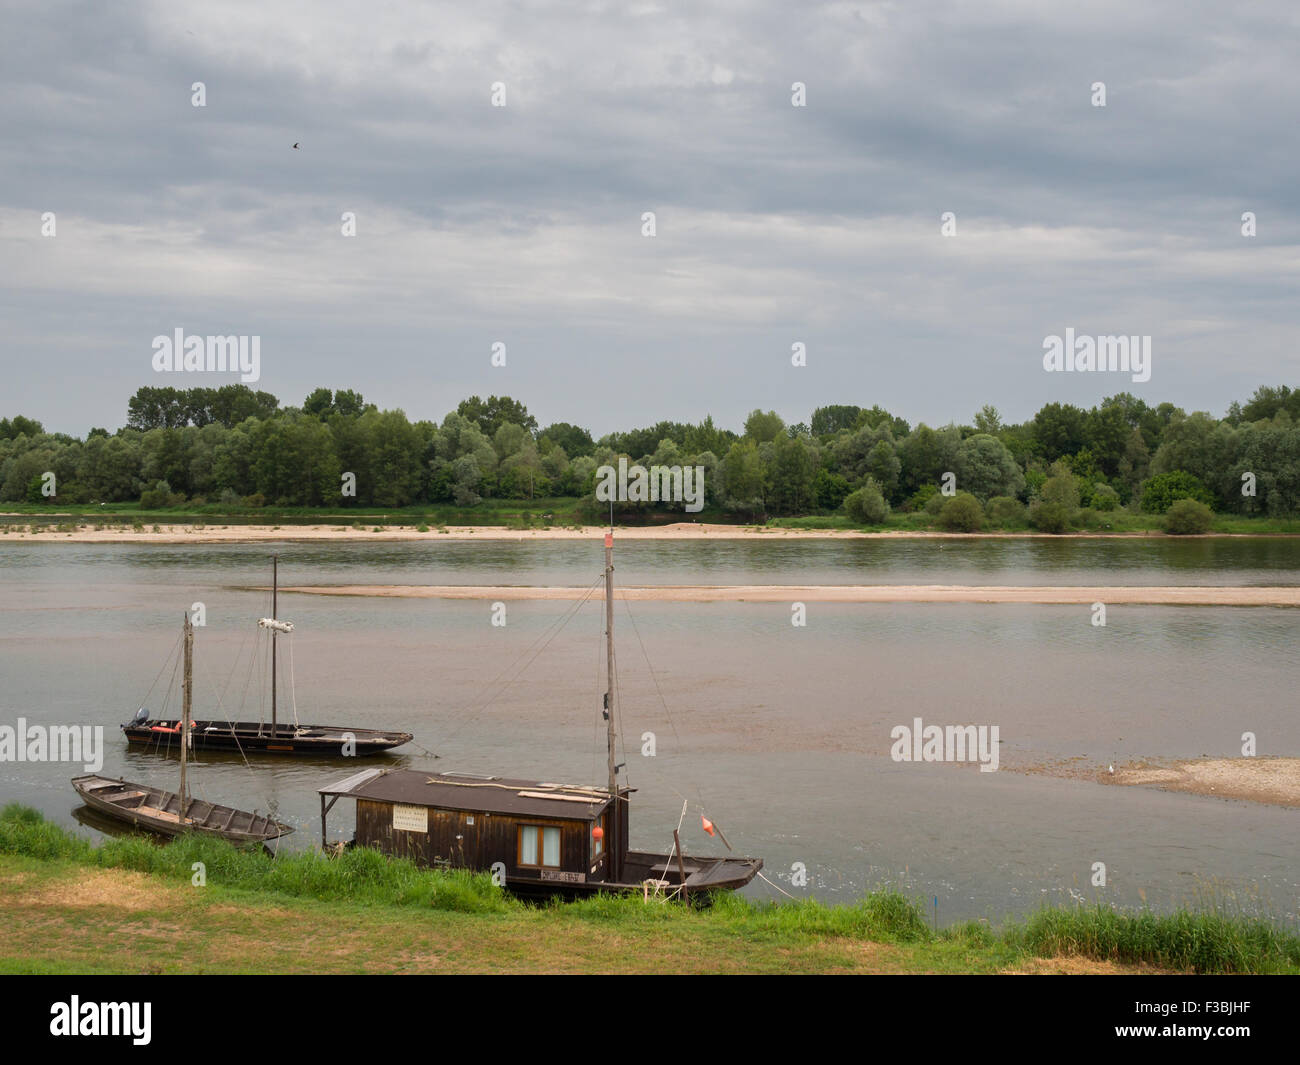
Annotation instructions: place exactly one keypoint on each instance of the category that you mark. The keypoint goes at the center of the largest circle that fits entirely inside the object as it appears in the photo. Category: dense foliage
(232, 445)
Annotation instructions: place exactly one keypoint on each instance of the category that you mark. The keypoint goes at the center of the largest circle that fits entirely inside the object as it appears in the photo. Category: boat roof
(476, 792)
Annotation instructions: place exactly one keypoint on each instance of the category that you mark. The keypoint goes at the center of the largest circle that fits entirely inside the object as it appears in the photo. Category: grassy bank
(130, 905)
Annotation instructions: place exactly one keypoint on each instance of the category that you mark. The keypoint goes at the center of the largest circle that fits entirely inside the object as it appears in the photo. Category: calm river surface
(780, 733)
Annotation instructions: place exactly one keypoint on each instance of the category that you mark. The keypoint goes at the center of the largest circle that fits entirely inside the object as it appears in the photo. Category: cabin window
(598, 845)
(539, 845)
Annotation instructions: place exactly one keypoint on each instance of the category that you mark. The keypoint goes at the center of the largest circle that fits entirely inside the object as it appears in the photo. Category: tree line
(236, 446)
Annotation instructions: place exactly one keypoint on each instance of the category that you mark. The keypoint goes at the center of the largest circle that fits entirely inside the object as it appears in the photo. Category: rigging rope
(162, 669)
(293, 691)
(519, 666)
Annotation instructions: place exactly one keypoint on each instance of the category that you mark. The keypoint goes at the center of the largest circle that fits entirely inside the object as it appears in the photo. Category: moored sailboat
(259, 737)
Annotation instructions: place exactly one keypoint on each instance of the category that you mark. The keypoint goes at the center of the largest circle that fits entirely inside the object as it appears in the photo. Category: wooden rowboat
(158, 811)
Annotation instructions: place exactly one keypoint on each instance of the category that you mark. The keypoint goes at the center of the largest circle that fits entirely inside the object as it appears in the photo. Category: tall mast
(187, 703)
(275, 597)
(615, 848)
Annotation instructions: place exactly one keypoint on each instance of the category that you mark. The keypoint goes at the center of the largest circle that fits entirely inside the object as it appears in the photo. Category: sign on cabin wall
(563, 877)
(411, 818)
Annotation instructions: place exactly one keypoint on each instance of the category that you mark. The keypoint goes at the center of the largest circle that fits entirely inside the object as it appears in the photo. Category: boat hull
(157, 811)
(318, 740)
(703, 876)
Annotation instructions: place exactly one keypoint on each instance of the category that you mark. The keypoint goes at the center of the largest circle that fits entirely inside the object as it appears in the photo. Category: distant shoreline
(192, 533)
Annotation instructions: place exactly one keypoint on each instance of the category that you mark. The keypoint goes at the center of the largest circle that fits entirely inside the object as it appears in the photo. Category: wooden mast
(275, 596)
(615, 844)
(187, 702)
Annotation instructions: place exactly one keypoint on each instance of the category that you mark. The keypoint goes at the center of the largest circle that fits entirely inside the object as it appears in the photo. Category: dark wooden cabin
(536, 830)
(541, 836)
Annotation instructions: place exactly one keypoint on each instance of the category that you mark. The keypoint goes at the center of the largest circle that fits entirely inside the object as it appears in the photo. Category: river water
(780, 733)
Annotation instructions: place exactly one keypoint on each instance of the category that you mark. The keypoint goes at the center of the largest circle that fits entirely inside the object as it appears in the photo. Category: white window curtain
(528, 845)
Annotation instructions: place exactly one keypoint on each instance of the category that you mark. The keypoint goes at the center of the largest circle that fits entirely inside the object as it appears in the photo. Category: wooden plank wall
(452, 841)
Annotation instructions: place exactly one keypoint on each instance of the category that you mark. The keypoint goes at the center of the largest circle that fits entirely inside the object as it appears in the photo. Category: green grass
(400, 906)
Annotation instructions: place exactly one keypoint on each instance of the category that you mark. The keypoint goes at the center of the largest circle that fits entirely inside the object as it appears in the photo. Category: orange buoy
(708, 825)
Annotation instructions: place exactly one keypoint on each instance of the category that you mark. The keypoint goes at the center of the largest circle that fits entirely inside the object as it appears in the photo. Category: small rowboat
(158, 811)
(171, 813)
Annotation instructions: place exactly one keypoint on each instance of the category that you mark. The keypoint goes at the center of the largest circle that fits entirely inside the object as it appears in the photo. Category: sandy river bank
(837, 593)
(86, 533)
(1275, 781)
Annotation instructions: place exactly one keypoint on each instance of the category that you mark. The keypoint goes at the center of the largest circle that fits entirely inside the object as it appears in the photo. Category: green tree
(572, 438)
(1164, 489)
(790, 475)
(926, 455)
(12, 428)
(743, 474)
(988, 420)
(1059, 430)
(319, 404)
(985, 468)
(762, 428)
(829, 420)
(495, 412)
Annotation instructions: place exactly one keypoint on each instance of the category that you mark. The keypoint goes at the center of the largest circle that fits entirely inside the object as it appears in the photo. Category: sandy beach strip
(1272, 781)
(239, 534)
(832, 593)
(1275, 781)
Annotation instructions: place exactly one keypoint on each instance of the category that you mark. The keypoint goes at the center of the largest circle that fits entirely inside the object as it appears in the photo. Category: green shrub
(867, 505)
(160, 495)
(1104, 497)
(1049, 517)
(962, 513)
(1187, 516)
(1003, 510)
(935, 503)
(918, 499)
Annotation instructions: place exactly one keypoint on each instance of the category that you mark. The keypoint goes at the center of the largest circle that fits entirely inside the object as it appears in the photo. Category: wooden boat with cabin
(256, 736)
(171, 813)
(537, 837)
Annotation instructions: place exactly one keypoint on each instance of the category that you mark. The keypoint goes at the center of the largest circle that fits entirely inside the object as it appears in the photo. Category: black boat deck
(320, 740)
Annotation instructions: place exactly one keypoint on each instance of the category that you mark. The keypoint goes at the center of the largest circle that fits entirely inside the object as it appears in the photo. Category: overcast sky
(775, 224)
